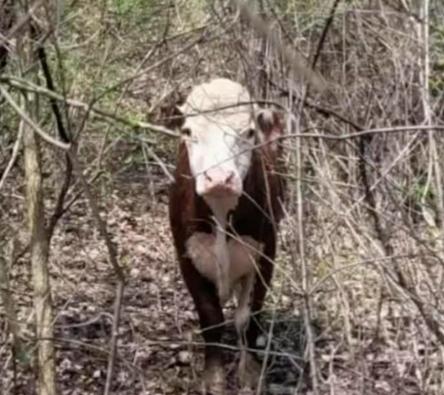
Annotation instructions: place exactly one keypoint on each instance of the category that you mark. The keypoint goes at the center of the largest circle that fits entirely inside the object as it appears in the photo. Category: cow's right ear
(270, 125)
(177, 117)
(173, 117)
(171, 114)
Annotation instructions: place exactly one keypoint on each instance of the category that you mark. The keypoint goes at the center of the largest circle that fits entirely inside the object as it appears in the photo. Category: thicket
(362, 248)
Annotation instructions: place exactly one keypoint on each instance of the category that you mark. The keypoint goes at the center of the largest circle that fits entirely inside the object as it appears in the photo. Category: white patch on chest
(224, 263)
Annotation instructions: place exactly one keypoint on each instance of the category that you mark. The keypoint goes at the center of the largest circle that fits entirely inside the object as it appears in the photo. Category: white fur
(242, 255)
(243, 307)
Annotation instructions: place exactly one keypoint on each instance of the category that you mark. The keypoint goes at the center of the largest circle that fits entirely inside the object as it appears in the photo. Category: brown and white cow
(225, 206)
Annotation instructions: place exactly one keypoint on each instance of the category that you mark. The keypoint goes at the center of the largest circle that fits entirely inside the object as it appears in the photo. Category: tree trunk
(39, 263)
(39, 241)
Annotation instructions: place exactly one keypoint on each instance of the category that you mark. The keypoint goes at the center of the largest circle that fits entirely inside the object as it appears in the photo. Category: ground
(160, 348)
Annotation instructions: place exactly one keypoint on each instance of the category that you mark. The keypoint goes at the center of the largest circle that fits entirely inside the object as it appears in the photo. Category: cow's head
(220, 133)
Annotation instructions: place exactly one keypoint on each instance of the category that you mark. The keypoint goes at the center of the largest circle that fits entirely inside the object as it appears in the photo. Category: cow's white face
(219, 154)
(219, 141)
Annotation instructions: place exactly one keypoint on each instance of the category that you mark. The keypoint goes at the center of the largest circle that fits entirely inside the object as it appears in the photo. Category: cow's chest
(224, 261)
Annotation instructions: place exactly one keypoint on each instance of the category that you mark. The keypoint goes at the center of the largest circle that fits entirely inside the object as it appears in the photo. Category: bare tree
(39, 240)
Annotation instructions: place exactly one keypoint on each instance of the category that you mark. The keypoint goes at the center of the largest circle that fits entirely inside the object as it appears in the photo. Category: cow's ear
(269, 124)
(180, 108)
(176, 118)
(171, 114)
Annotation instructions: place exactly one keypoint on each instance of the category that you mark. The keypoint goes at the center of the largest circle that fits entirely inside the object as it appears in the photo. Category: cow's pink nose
(219, 183)
(220, 178)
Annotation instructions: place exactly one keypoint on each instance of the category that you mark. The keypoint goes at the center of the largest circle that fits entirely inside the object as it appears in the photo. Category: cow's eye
(249, 134)
(186, 132)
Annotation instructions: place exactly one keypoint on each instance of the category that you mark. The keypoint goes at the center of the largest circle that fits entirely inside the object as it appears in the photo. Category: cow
(224, 209)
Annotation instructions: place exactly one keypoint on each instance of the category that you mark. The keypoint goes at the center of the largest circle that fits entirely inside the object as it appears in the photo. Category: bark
(39, 240)
(39, 263)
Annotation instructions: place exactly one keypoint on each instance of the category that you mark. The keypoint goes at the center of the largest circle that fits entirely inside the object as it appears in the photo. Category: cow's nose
(220, 178)
(220, 182)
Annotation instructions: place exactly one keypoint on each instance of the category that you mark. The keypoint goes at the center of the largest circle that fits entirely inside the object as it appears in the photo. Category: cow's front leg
(249, 368)
(211, 318)
(211, 321)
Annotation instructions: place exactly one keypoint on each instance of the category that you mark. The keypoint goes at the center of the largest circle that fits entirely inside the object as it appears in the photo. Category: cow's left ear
(270, 125)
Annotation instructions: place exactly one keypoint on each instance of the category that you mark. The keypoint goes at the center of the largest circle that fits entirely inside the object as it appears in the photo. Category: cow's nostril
(207, 176)
(229, 177)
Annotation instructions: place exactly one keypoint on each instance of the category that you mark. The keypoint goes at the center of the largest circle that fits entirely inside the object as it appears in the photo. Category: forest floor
(159, 346)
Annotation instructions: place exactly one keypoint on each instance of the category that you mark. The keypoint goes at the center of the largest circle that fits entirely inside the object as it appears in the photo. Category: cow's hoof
(249, 374)
(214, 381)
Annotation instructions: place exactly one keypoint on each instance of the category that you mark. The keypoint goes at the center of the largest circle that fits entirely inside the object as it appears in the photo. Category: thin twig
(63, 133)
(112, 254)
(25, 85)
(9, 306)
(20, 24)
(31, 123)
(146, 125)
(294, 61)
(14, 156)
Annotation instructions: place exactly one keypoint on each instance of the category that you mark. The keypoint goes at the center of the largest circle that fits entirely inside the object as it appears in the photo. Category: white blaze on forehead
(218, 102)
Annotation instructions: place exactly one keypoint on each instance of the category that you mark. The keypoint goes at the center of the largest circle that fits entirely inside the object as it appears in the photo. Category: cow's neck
(220, 208)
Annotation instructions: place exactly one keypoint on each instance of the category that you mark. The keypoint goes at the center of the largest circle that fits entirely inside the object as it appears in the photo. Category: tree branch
(25, 85)
(31, 123)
